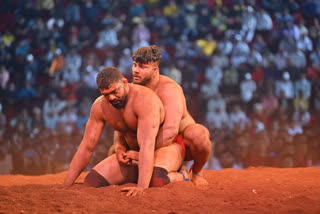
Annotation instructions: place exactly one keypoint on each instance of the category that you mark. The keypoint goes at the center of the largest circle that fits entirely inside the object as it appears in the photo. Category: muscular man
(145, 71)
(136, 112)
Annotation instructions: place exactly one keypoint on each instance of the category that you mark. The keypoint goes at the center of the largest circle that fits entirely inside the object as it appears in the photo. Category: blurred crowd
(249, 70)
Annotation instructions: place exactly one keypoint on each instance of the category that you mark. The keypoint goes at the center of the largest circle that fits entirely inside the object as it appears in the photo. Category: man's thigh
(169, 157)
(116, 173)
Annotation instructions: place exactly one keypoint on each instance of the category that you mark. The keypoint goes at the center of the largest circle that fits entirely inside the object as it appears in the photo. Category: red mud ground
(253, 190)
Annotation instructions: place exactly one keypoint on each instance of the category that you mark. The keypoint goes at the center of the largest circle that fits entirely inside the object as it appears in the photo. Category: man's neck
(154, 83)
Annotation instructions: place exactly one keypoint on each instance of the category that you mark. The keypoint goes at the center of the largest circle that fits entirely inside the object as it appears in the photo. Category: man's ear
(124, 81)
(156, 69)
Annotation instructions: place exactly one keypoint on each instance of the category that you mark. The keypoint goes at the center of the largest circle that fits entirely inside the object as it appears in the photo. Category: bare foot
(198, 179)
(184, 170)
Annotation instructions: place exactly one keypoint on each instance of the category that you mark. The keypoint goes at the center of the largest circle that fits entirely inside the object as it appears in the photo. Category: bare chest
(124, 121)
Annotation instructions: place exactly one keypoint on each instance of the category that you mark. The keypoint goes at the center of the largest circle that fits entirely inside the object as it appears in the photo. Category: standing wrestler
(145, 71)
(136, 112)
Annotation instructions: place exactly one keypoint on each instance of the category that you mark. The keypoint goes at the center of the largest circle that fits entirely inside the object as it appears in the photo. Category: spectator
(51, 110)
(57, 64)
(107, 38)
(264, 21)
(125, 63)
(303, 85)
(217, 118)
(301, 116)
(4, 77)
(269, 103)
(286, 86)
(174, 73)
(237, 118)
(247, 88)
(315, 56)
(249, 24)
(214, 74)
(230, 80)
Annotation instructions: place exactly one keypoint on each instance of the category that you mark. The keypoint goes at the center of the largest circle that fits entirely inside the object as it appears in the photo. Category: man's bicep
(93, 129)
(148, 122)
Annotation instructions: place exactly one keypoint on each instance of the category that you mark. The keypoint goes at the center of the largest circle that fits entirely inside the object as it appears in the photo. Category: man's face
(116, 94)
(226, 160)
(142, 73)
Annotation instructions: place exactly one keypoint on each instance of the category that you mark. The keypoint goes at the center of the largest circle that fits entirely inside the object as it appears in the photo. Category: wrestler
(145, 71)
(136, 112)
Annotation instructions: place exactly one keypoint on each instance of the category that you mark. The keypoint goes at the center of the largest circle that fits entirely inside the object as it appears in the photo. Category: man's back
(164, 88)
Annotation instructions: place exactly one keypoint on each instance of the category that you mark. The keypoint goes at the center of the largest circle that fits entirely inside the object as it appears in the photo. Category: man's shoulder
(142, 91)
(96, 105)
(167, 83)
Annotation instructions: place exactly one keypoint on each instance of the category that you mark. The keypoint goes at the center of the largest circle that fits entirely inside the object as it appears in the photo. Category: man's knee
(159, 177)
(200, 137)
(94, 179)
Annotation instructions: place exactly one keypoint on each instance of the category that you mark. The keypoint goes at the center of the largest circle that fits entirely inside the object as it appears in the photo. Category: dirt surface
(253, 190)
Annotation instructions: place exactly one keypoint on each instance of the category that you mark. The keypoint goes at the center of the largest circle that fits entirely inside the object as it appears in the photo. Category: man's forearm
(78, 163)
(146, 162)
(165, 137)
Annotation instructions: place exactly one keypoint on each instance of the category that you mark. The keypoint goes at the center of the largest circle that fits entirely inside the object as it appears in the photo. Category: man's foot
(185, 173)
(198, 179)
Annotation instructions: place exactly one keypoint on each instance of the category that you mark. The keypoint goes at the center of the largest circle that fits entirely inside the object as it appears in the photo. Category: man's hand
(133, 155)
(133, 191)
(122, 158)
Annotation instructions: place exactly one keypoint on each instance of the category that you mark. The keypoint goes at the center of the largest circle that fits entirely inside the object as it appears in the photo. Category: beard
(121, 102)
(141, 81)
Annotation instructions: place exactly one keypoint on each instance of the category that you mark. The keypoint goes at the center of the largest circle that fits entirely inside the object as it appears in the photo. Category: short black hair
(147, 54)
(107, 76)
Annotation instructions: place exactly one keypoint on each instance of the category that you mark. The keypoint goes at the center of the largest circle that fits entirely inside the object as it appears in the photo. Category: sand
(253, 190)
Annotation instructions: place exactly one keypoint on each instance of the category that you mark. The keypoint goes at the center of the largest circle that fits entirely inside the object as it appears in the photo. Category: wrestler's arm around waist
(173, 102)
(90, 140)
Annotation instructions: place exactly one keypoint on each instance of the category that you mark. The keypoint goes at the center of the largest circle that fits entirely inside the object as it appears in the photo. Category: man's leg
(197, 139)
(167, 162)
(109, 171)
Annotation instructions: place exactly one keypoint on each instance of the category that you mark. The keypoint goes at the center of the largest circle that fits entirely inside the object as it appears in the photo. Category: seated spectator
(57, 64)
(313, 71)
(264, 21)
(300, 101)
(286, 86)
(230, 80)
(247, 87)
(269, 103)
(220, 59)
(305, 43)
(4, 77)
(217, 118)
(315, 56)
(174, 73)
(303, 85)
(301, 116)
(107, 38)
(237, 117)
(51, 109)
(207, 45)
(293, 129)
(125, 63)
(67, 120)
(281, 59)
(258, 152)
